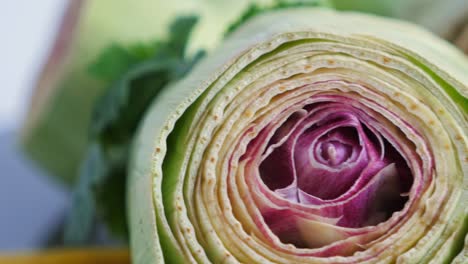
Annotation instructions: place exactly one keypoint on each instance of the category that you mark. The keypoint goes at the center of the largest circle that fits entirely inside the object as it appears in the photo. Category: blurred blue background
(31, 205)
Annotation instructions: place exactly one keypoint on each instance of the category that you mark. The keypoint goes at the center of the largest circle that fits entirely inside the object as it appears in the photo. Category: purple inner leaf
(328, 154)
(334, 152)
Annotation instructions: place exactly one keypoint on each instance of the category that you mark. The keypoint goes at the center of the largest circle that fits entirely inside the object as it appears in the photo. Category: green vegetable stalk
(55, 133)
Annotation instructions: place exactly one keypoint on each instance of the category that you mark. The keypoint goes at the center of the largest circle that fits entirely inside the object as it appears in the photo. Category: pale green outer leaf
(182, 129)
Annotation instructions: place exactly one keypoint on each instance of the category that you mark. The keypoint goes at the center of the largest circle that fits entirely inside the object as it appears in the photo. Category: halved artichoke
(309, 136)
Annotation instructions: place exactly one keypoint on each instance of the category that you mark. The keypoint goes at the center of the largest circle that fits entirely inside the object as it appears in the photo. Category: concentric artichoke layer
(309, 136)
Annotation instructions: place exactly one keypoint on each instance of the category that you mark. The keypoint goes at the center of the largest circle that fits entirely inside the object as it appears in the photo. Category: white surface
(27, 29)
(30, 205)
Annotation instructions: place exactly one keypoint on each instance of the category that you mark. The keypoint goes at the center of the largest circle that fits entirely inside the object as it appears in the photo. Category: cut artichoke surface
(309, 136)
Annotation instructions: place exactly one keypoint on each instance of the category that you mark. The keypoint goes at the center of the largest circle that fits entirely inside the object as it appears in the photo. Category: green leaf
(139, 73)
(179, 34)
(143, 51)
(113, 61)
(120, 108)
(80, 220)
(255, 9)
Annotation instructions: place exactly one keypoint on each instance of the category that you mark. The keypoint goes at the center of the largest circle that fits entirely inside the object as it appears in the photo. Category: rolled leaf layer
(309, 136)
